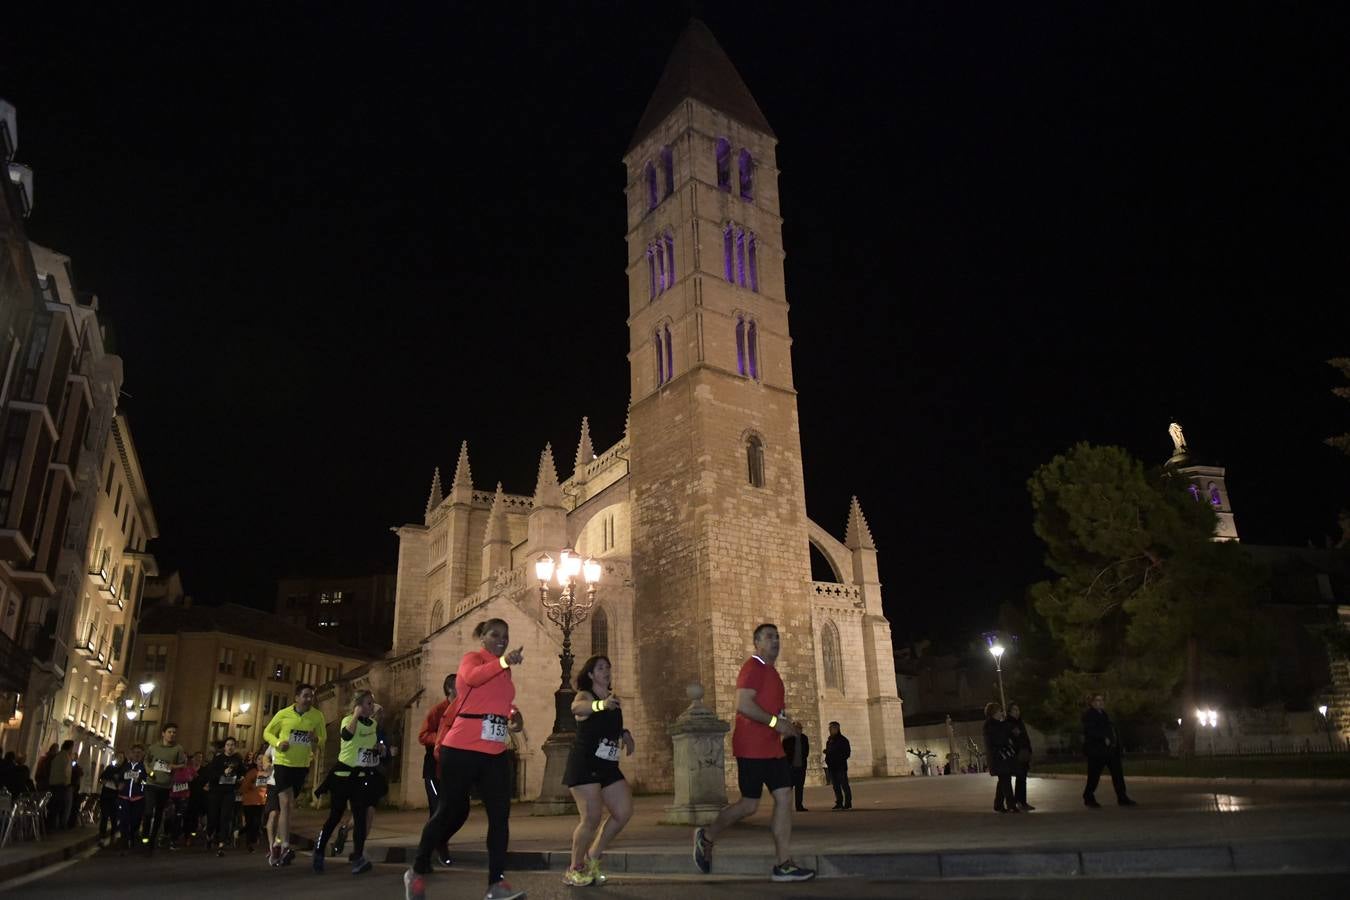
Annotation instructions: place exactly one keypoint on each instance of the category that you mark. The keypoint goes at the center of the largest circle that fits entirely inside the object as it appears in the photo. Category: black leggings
(220, 813)
(460, 769)
(252, 824)
(352, 788)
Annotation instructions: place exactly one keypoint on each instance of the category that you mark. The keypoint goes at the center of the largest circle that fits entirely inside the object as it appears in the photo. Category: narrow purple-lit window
(670, 357)
(747, 165)
(660, 266)
(740, 257)
(660, 364)
(752, 349)
(651, 186)
(668, 167)
(1214, 495)
(726, 252)
(724, 164)
(754, 265)
(740, 345)
(1195, 493)
(651, 271)
(670, 261)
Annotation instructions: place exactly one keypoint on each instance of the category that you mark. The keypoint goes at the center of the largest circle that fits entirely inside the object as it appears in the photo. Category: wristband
(773, 721)
(502, 660)
(597, 706)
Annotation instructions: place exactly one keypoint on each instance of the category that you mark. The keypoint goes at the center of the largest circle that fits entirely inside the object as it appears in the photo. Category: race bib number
(180, 787)
(494, 729)
(162, 766)
(300, 737)
(608, 750)
(368, 756)
(229, 779)
(130, 776)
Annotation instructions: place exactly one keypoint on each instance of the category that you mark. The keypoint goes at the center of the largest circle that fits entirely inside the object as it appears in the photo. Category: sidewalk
(18, 858)
(945, 827)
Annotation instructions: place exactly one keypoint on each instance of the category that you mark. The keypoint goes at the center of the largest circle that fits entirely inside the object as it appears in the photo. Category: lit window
(747, 176)
(751, 348)
(670, 357)
(727, 253)
(754, 265)
(754, 457)
(740, 346)
(670, 261)
(724, 164)
(1214, 497)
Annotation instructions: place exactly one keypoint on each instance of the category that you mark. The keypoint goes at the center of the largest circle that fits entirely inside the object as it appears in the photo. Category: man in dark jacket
(795, 748)
(836, 763)
(1101, 744)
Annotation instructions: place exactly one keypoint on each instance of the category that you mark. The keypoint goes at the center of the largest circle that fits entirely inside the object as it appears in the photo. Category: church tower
(720, 532)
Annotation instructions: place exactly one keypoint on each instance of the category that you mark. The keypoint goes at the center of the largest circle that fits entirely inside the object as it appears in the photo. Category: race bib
(229, 779)
(162, 766)
(130, 776)
(608, 750)
(494, 729)
(368, 756)
(300, 737)
(180, 787)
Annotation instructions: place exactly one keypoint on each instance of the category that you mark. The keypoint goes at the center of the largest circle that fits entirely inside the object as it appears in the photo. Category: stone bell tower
(719, 511)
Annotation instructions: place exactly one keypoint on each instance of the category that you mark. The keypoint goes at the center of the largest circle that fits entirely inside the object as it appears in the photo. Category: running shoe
(702, 852)
(274, 855)
(599, 877)
(790, 871)
(341, 840)
(361, 864)
(444, 858)
(414, 886)
(287, 856)
(578, 877)
(220, 850)
(502, 890)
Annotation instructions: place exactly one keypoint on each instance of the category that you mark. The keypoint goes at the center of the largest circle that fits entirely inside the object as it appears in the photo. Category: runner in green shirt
(297, 735)
(160, 761)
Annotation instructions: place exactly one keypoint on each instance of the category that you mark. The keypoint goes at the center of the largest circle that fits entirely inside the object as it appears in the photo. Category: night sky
(334, 240)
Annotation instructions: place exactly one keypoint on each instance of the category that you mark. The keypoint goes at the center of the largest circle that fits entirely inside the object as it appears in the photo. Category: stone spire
(461, 489)
(434, 500)
(547, 492)
(857, 536)
(498, 530)
(585, 452)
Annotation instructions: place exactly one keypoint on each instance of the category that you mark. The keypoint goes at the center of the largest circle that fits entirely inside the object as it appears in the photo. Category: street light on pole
(1326, 720)
(996, 650)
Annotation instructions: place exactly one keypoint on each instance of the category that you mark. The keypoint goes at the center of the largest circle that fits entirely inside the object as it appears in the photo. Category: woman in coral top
(473, 741)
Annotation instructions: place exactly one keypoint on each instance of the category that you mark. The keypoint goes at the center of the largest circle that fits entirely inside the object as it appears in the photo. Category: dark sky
(337, 239)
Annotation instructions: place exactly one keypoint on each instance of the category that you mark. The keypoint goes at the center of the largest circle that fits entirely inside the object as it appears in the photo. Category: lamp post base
(554, 797)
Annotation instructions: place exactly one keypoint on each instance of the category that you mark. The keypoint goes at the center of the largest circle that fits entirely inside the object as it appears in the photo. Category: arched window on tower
(752, 348)
(651, 271)
(740, 345)
(1214, 496)
(754, 265)
(754, 460)
(599, 633)
(670, 260)
(727, 252)
(670, 357)
(437, 613)
(651, 186)
(1195, 493)
(832, 657)
(747, 167)
(660, 359)
(660, 266)
(668, 169)
(724, 164)
(740, 256)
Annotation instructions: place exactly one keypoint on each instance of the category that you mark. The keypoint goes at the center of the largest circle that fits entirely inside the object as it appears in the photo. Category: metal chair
(25, 819)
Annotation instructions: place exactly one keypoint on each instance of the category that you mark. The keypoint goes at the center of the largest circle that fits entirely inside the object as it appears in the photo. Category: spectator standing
(837, 752)
(795, 748)
(58, 782)
(998, 747)
(1101, 744)
(1022, 764)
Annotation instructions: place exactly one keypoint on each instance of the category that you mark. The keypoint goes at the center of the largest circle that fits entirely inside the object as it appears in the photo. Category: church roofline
(699, 69)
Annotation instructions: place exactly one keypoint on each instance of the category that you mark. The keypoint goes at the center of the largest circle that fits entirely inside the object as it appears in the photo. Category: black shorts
(289, 778)
(596, 772)
(752, 774)
(273, 804)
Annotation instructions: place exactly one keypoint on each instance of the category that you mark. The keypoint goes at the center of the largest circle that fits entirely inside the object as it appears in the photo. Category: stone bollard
(699, 764)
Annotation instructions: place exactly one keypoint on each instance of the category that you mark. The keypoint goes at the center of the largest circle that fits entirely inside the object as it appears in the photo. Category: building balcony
(147, 560)
(15, 663)
(29, 582)
(14, 546)
(99, 572)
(108, 592)
(85, 647)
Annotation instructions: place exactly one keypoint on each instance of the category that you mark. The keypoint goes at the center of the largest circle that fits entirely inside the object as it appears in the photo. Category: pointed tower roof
(857, 536)
(434, 500)
(547, 492)
(463, 477)
(585, 452)
(699, 69)
(498, 530)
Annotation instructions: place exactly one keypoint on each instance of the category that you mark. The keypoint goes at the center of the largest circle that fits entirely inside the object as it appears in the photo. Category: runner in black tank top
(593, 771)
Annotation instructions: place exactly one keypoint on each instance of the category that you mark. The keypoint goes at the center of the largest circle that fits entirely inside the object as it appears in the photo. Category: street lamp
(243, 710)
(996, 650)
(1208, 718)
(567, 612)
(1326, 720)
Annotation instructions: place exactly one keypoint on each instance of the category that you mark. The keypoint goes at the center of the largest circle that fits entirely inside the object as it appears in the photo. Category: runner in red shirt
(472, 742)
(761, 718)
(427, 738)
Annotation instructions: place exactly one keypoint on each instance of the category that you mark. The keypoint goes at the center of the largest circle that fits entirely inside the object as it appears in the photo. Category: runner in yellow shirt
(297, 735)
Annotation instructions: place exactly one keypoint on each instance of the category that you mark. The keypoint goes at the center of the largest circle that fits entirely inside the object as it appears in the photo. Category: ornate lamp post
(134, 709)
(996, 650)
(567, 611)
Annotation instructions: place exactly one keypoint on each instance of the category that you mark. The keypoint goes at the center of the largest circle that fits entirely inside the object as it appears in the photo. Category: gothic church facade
(697, 513)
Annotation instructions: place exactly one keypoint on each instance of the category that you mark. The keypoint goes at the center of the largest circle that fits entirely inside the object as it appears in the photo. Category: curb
(21, 867)
(1318, 783)
(1325, 855)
